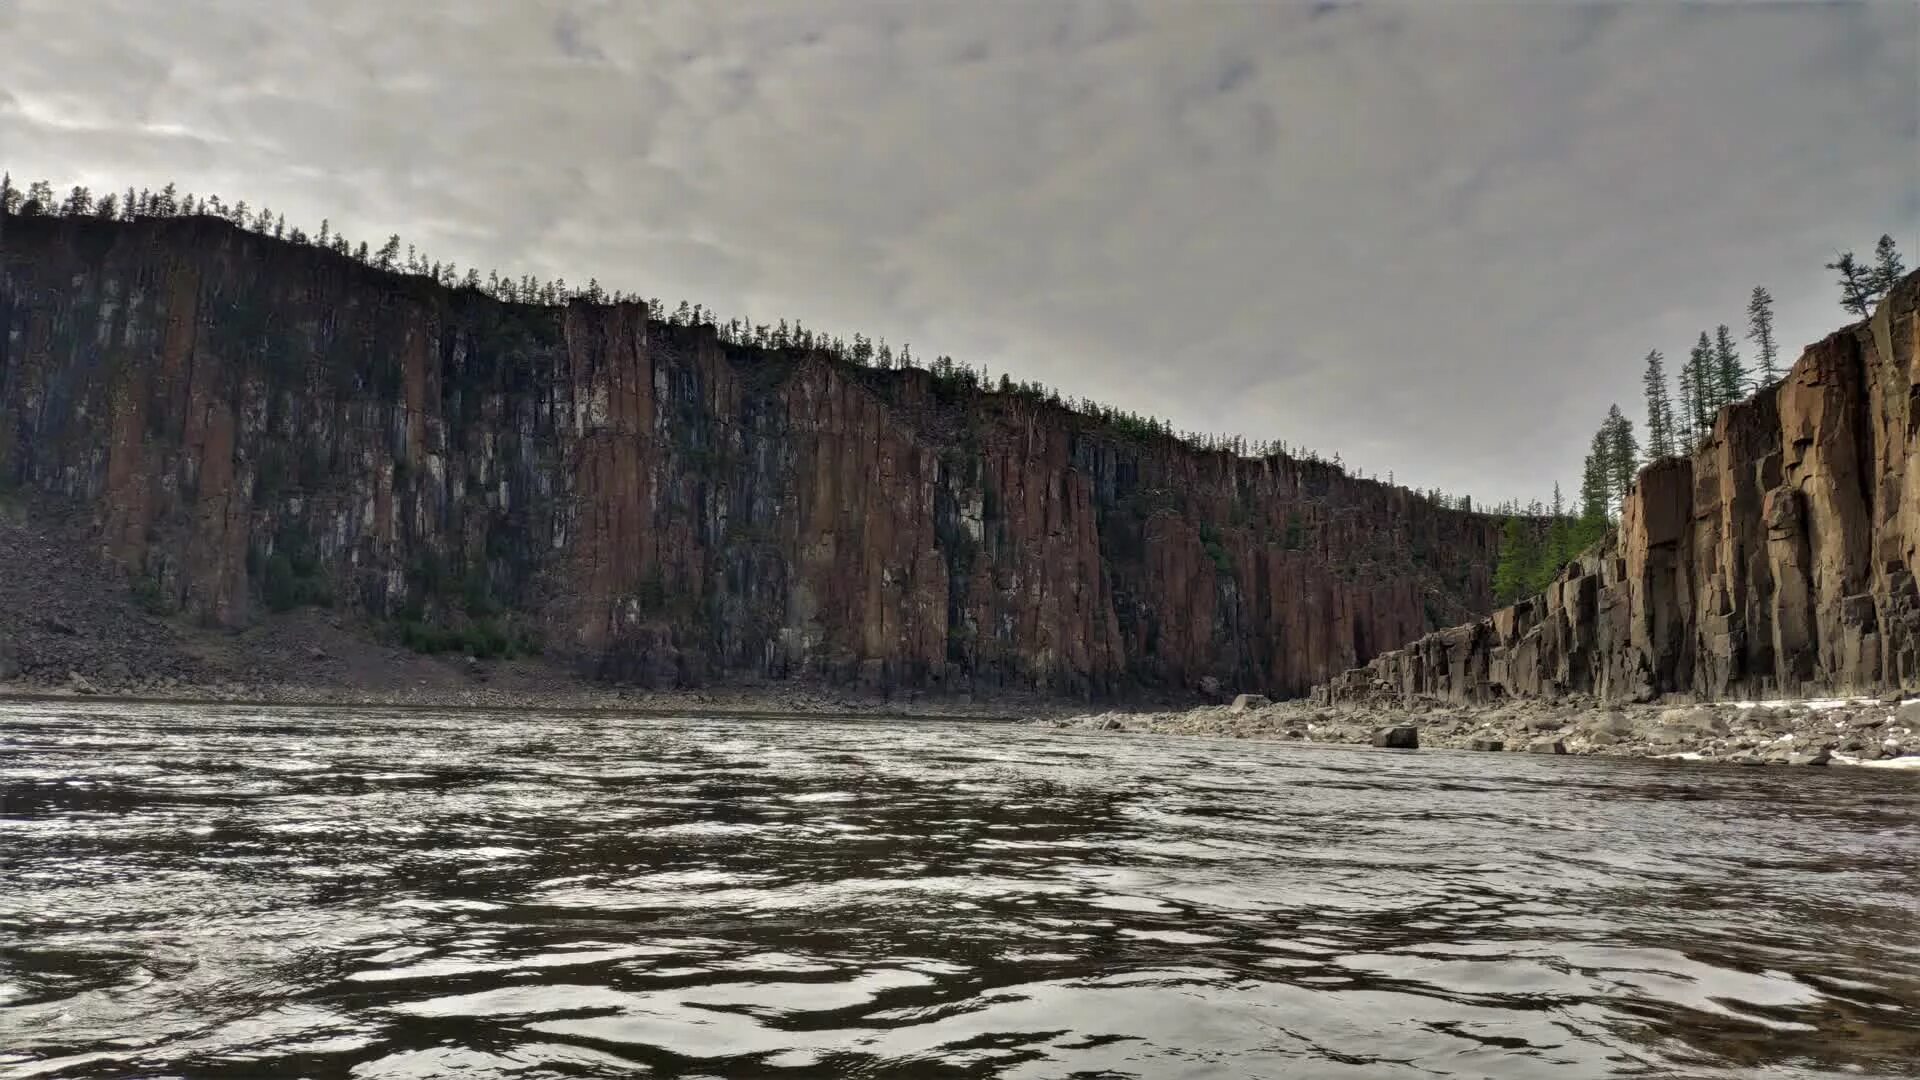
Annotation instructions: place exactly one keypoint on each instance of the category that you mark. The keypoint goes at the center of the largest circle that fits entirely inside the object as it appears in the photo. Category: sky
(1437, 238)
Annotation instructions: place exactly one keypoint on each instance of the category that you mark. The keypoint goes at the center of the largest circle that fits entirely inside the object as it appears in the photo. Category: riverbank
(1882, 733)
(530, 686)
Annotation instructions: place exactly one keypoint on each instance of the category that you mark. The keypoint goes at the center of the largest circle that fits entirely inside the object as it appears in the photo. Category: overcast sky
(1435, 237)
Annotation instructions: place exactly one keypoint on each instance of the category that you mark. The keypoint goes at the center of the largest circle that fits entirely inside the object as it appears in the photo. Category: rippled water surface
(208, 892)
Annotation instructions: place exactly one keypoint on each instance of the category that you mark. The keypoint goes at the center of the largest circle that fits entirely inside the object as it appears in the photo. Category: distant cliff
(255, 423)
(1777, 560)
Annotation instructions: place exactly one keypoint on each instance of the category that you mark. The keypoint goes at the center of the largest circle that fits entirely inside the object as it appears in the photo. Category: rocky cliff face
(253, 422)
(1778, 560)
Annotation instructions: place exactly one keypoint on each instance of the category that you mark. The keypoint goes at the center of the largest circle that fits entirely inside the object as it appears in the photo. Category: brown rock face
(1778, 560)
(255, 423)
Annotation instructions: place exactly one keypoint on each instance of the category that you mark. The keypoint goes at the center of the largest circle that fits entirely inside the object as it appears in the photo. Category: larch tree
(1730, 372)
(1558, 550)
(1760, 332)
(1622, 459)
(1512, 573)
(1706, 387)
(1593, 480)
(1856, 284)
(1660, 440)
(1887, 267)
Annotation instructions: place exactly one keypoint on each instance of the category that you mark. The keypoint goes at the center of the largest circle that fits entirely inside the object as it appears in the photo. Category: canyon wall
(256, 424)
(1777, 560)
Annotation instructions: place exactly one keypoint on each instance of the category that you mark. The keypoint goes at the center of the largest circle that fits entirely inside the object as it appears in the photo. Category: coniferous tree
(1887, 267)
(1660, 435)
(1856, 284)
(10, 197)
(1688, 431)
(1512, 573)
(1726, 361)
(1593, 479)
(1706, 388)
(1622, 460)
(1760, 332)
(1558, 550)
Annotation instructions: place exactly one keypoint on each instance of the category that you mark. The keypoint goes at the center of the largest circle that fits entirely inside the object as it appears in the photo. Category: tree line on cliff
(1714, 375)
(39, 199)
(1539, 538)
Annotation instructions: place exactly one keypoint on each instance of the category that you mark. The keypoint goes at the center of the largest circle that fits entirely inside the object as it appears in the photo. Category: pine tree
(1593, 479)
(1887, 267)
(10, 196)
(1727, 366)
(1511, 575)
(1760, 332)
(1558, 550)
(1706, 388)
(1660, 434)
(1856, 284)
(1622, 458)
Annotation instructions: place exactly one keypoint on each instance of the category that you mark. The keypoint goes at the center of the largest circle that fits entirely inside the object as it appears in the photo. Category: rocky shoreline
(1882, 732)
(569, 696)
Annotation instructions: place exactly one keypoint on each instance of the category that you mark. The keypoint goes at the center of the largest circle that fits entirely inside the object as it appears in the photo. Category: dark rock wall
(248, 418)
(1778, 560)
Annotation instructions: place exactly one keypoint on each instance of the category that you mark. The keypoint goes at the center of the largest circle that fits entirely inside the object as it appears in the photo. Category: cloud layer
(1435, 238)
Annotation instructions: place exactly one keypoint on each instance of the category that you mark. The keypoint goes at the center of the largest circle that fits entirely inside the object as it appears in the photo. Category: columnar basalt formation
(256, 422)
(1778, 560)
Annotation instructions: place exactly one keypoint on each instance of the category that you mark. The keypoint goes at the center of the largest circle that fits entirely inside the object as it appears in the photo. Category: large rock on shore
(1398, 737)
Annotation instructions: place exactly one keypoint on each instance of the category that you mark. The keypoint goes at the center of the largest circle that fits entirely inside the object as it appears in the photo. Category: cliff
(253, 424)
(1777, 560)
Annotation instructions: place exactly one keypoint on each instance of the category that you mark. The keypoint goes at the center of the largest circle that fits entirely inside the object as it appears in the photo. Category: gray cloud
(1436, 238)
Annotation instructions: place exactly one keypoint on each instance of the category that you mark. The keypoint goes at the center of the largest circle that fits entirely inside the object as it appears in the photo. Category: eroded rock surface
(245, 419)
(1777, 561)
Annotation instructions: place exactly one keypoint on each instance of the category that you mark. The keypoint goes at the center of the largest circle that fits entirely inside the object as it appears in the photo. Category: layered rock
(1777, 560)
(254, 422)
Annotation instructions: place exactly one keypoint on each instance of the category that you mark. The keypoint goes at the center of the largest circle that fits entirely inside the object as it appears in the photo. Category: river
(202, 891)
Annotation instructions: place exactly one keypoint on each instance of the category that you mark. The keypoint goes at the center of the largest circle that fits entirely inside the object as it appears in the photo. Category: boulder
(79, 684)
(1488, 744)
(1398, 737)
(1547, 746)
(1618, 725)
(1820, 756)
(1249, 702)
(1700, 719)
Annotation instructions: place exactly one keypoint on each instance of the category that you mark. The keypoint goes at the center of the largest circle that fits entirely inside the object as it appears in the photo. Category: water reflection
(238, 892)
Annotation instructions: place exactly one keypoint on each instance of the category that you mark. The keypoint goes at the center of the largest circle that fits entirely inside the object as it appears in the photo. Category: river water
(233, 891)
